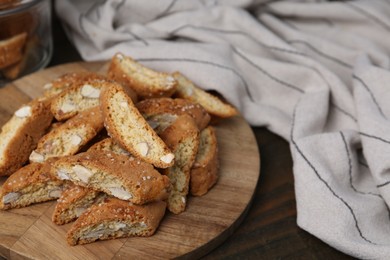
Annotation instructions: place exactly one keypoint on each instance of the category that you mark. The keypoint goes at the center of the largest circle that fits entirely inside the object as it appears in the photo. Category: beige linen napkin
(314, 72)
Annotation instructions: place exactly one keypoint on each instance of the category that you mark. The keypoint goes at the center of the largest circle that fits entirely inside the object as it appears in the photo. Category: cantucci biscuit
(116, 218)
(204, 172)
(128, 127)
(69, 137)
(13, 71)
(73, 202)
(165, 109)
(11, 49)
(182, 137)
(213, 105)
(68, 80)
(118, 175)
(20, 135)
(82, 95)
(31, 184)
(146, 82)
(109, 145)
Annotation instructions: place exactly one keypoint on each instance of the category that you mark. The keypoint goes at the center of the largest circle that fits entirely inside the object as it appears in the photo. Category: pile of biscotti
(114, 150)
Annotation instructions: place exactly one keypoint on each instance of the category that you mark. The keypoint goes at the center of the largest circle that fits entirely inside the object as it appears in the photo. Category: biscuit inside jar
(25, 38)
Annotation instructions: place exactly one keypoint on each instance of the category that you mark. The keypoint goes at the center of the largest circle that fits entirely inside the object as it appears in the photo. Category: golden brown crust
(20, 135)
(116, 218)
(68, 80)
(82, 95)
(213, 105)
(109, 145)
(128, 127)
(73, 202)
(11, 49)
(204, 172)
(146, 82)
(15, 70)
(177, 106)
(22, 25)
(115, 174)
(182, 137)
(21, 178)
(69, 137)
(31, 184)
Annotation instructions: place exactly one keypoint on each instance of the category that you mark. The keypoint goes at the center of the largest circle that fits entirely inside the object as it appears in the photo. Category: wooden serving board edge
(198, 252)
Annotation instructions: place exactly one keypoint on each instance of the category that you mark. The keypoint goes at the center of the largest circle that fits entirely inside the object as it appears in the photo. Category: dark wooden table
(269, 231)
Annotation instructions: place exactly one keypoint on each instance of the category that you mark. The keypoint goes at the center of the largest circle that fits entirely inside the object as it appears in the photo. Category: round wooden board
(207, 221)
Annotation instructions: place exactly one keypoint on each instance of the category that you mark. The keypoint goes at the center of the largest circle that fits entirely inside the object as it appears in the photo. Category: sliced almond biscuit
(14, 70)
(118, 175)
(146, 82)
(116, 218)
(74, 201)
(81, 96)
(69, 80)
(204, 172)
(11, 49)
(109, 145)
(69, 137)
(157, 110)
(20, 135)
(182, 137)
(31, 184)
(21, 66)
(129, 128)
(186, 89)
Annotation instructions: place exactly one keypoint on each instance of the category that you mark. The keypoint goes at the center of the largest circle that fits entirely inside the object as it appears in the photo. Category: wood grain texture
(207, 221)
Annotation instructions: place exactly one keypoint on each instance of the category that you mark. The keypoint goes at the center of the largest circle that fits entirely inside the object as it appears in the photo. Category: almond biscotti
(31, 184)
(82, 95)
(129, 128)
(73, 202)
(182, 137)
(109, 145)
(146, 82)
(204, 172)
(69, 137)
(158, 110)
(116, 218)
(69, 80)
(118, 175)
(213, 105)
(11, 49)
(20, 135)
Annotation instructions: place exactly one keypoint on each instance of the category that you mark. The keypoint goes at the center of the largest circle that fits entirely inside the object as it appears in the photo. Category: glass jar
(25, 37)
